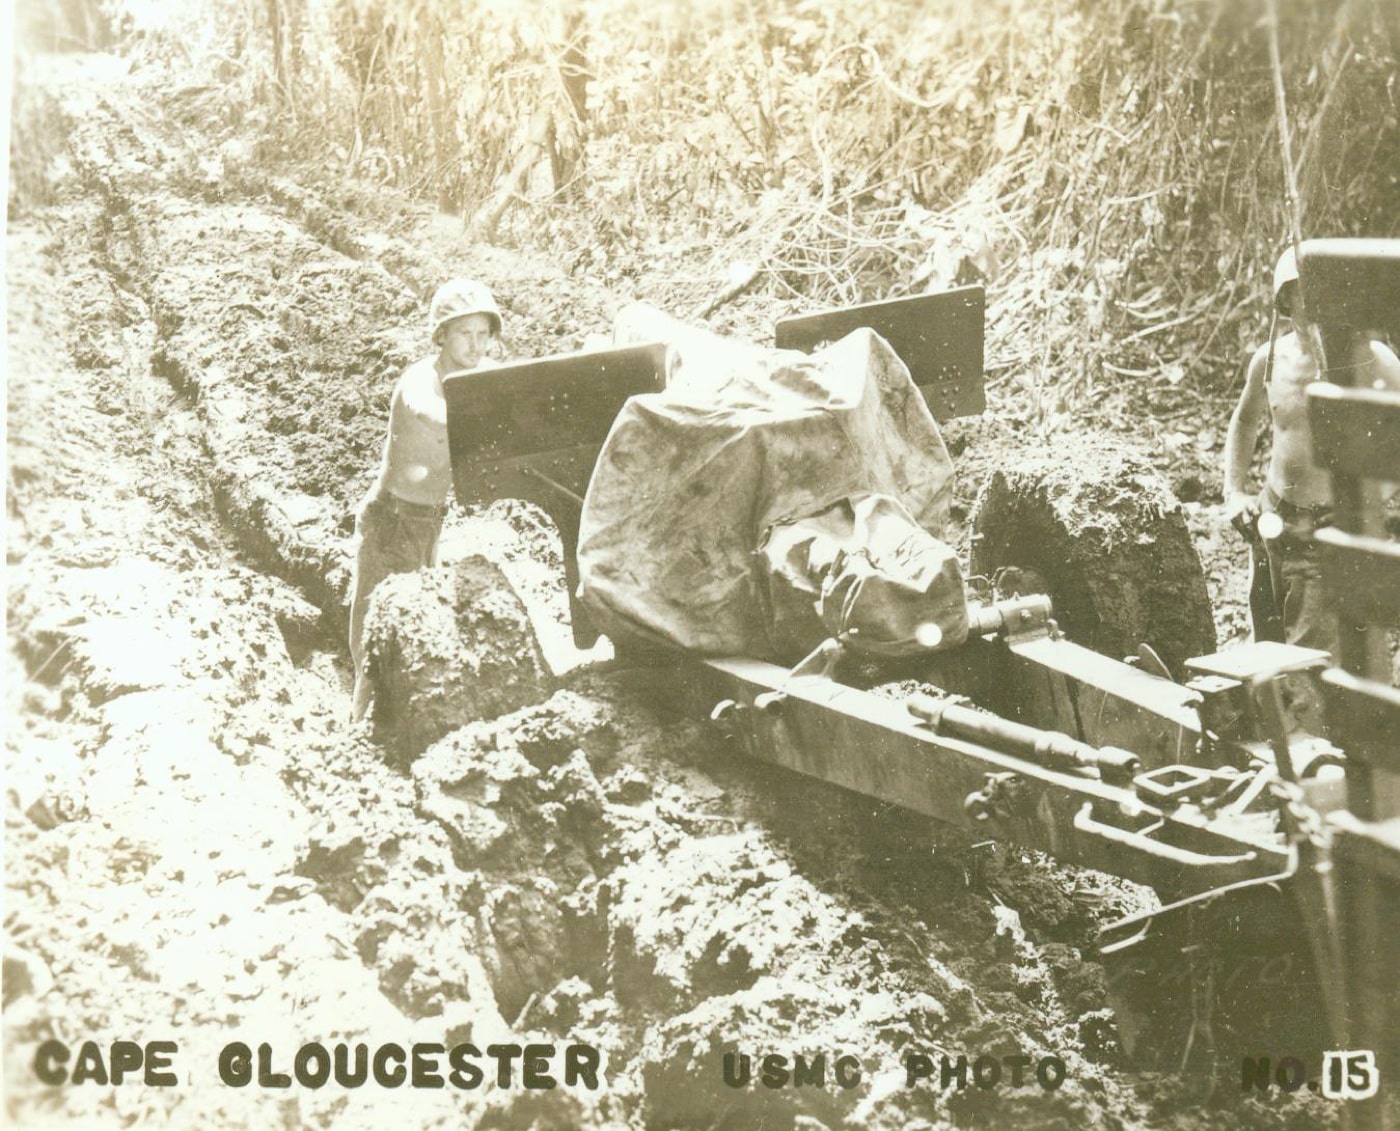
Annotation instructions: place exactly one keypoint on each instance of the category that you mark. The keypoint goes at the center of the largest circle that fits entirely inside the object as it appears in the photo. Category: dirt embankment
(1107, 542)
(200, 848)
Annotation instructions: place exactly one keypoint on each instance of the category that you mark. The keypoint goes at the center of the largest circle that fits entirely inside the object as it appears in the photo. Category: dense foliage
(1114, 168)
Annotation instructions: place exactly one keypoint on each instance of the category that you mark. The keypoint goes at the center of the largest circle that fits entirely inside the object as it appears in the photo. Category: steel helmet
(1285, 271)
(462, 296)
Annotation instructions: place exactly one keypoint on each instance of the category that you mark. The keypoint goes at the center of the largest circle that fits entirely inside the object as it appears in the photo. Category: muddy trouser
(1296, 573)
(392, 537)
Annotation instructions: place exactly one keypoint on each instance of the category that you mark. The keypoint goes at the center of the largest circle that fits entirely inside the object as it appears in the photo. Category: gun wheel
(1099, 531)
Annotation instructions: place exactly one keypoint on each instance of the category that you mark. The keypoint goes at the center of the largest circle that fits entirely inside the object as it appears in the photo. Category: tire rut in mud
(147, 823)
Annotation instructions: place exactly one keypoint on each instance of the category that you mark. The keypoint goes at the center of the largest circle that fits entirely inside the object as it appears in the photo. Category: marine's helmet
(462, 296)
(1285, 272)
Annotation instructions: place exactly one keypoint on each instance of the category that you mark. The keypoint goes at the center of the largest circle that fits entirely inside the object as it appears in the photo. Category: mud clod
(447, 645)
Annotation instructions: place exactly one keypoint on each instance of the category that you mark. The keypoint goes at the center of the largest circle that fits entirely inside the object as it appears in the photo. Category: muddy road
(200, 848)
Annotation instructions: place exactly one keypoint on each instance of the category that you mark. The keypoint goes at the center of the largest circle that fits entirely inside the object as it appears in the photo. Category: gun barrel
(1044, 747)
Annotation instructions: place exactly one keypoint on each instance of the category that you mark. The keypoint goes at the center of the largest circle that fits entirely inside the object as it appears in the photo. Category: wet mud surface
(200, 847)
(1098, 526)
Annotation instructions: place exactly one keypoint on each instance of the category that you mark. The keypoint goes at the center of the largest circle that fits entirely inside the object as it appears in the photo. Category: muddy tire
(1110, 541)
(446, 647)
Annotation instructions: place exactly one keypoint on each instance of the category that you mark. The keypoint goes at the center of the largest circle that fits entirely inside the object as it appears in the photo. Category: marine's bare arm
(1241, 505)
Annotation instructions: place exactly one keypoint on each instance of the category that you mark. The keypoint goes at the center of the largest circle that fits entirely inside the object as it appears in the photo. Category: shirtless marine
(401, 517)
(1296, 491)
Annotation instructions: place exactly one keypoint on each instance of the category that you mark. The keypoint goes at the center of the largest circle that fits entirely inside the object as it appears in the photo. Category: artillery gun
(1258, 794)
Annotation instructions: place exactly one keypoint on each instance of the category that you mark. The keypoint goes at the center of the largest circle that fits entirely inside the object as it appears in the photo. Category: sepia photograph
(605, 565)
